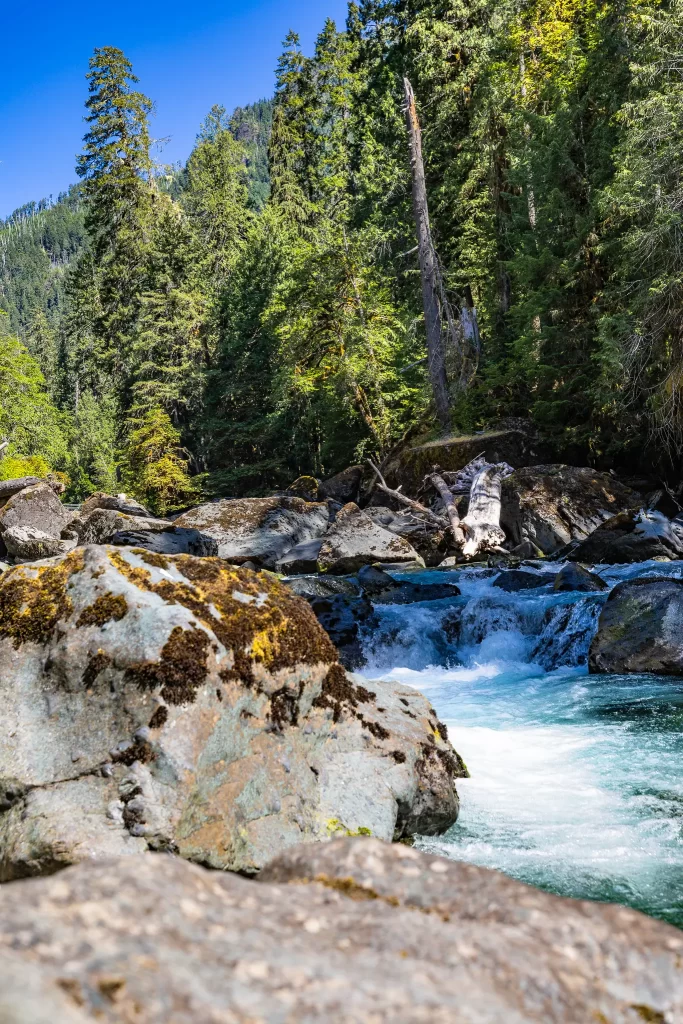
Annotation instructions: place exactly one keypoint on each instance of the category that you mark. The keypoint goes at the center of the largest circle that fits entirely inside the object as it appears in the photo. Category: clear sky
(188, 55)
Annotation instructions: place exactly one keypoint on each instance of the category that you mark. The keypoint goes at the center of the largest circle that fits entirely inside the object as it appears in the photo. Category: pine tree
(154, 466)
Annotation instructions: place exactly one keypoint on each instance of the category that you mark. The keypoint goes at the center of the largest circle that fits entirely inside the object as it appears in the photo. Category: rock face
(641, 629)
(550, 506)
(631, 537)
(355, 931)
(180, 704)
(354, 540)
(343, 487)
(259, 530)
(32, 522)
(431, 544)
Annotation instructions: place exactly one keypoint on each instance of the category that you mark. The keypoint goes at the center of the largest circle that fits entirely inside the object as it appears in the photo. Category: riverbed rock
(431, 543)
(182, 704)
(305, 487)
(641, 629)
(27, 544)
(346, 619)
(631, 537)
(35, 508)
(109, 526)
(258, 530)
(118, 502)
(10, 487)
(345, 486)
(575, 577)
(514, 580)
(354, 540)
(301, 559)
(382, 588)
(552, 505)
(355, 931)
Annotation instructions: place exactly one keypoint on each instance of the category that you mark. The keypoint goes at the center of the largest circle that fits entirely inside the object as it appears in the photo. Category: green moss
(335, 827)
(151, 558)
(107, 608)
(648, 1014)
(97, 663)
(34, 600)
(180, 670)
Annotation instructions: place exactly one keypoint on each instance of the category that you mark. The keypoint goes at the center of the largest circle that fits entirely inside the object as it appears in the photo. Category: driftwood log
(403, 499)
(482, 522)
(446, 496)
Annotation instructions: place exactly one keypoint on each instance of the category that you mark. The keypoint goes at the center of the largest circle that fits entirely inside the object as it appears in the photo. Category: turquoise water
(577, 780)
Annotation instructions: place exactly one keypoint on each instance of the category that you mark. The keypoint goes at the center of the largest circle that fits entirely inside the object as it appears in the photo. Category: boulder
(305, 487)
(301, 559)
(355, 931)
(382, 588)
(550, 506)
(27, 544)
(260, 530)
(345, 619)
(324, 586)
(107, 526)
(117, 502)
(181, 704)
(354, 540)
(343, 487)
(35, 508)
(10, 487)
(514, 580)
(631, 537)
(641, 629)
(576, 578)
(431, 543)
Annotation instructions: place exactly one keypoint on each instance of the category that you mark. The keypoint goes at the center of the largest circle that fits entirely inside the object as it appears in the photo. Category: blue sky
(187, 56)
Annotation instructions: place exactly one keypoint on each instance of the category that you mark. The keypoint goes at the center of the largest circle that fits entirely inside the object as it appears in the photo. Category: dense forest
(224, 326)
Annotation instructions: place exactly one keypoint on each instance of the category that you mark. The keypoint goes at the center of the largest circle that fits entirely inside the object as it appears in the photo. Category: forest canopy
(256, 314)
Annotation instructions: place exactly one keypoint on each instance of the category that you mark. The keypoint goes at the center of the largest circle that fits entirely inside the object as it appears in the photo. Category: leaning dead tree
(459, 331)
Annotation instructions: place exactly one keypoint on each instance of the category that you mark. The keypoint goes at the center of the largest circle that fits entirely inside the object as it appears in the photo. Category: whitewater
(576, 780)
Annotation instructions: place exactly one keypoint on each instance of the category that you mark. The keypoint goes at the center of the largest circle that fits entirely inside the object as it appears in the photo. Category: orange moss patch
(33, 600)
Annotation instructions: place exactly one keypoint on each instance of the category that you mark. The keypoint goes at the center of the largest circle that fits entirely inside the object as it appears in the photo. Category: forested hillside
(263, 317)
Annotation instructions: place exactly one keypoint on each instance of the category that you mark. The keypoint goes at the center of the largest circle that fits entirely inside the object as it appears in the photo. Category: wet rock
(354, 540)
(324, 586)
(352, 931)
(550, 506)
(641, 629)
(382, 588)
(117, 502)
(631, 537)
(345, 618)
(305, 487)
(574, 577)
(343, 487)
(152, 702)
(260, 530)
(514, 580)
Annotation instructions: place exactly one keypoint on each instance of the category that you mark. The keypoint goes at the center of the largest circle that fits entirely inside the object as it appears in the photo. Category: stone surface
(574, 577)
(343, 487)
(181, 704)
(431, 543)
(382, 588)
(641, 629)
(354, 540)
(301, 559)
(305, 487)
(550, 506)
(35, 508)
(10, 487)
(514, 580)
(118, 502)
(345, 619)
(631, 537)
(100, 525)
(355, 931)
(260, 530)
(27, 544)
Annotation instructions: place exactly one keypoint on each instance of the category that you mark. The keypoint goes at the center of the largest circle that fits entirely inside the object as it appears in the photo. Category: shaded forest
(225, 326)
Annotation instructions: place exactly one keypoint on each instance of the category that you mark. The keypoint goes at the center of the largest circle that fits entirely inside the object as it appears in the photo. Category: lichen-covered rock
(550, 506)
(431, 543)
(38, 514)
(100, 525)
(631, 537)
(182, 704)
(118, 502)
(354, 931)
(354, 540)
(641, 629)
(258, 530)
(10, 487)
(305, 487)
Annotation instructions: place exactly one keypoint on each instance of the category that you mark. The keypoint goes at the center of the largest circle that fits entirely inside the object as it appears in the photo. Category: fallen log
(398, 495)
(446, 496)
(482, 522)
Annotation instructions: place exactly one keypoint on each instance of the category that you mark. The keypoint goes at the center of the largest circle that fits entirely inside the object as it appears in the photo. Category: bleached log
(482, 522)
(381, 484)
(447, 498)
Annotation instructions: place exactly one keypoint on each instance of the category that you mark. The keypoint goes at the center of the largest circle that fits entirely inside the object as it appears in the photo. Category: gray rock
(230, 673)
(631, 537)
(100, 525)
(355, 931)
(116, 502)
(514, 580)
(301, 559)
(550, 506)
(323, 586)
(172, 541)
(354, 540)
(382, 588)
(641, 629)
(431, 543)
(574, 577)
(343, 487)
(345, 618)
(36, 510)
(27, 544)
(10, 487)
(261, 530)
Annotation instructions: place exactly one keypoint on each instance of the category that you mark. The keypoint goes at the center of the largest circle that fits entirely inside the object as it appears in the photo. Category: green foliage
(153, 466)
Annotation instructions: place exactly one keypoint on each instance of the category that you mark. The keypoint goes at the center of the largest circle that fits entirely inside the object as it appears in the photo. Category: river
(576, 781)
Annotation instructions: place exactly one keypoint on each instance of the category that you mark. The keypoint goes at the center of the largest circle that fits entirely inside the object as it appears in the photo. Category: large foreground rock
(631, 537)
(641, 629)
(551, 506)
(354, 540)
(259, 530)
(181, 704)
(355, 931)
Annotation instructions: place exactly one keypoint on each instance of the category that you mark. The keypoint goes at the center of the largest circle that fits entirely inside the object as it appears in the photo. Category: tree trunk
(428, 264)
(482, 522)
(447, 498)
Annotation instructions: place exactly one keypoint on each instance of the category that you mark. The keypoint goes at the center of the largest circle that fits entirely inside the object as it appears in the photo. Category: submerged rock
(574, 577)
(641, 629)
(550, 506)
(514, 580)
(631, 537)
(354, 540)
(352, 931)
(181, 704)
(259, 530)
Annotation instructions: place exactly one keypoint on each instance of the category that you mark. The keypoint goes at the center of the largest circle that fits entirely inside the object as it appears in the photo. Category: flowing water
(576, 780)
